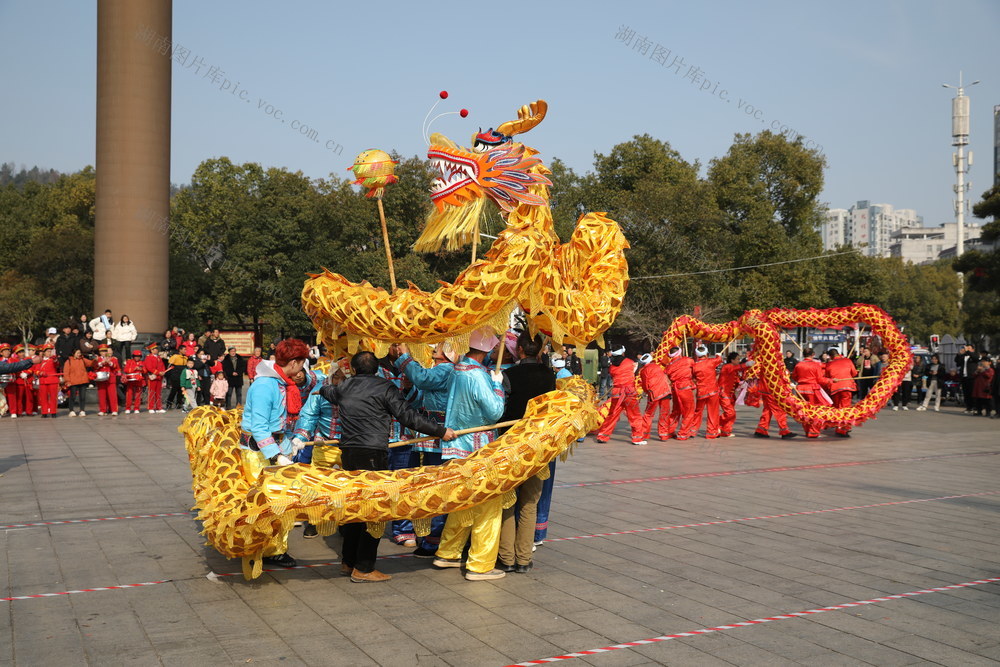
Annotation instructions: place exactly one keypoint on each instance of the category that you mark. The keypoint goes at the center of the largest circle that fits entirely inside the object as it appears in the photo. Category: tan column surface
(131, 250)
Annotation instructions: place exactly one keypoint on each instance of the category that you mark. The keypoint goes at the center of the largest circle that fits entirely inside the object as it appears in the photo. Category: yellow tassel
(252, 567)
(376, 529)
(421, 527)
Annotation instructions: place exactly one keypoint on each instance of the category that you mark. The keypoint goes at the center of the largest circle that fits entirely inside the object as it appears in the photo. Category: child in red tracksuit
(48, 375)
(154, 369)
(623, 397)
(24, 381)
(11, 390)
(704, 370)
(134, 382)
(107, 367)
(680, 371)
(656, 386)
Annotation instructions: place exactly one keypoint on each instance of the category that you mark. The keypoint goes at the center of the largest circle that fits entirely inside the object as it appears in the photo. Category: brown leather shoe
(346, 570)
(366, 577)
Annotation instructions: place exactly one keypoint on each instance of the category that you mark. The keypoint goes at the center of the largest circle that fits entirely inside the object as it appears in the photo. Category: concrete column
(131, 240)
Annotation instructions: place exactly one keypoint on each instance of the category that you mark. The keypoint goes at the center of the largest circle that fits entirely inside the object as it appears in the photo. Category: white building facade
(866, 226)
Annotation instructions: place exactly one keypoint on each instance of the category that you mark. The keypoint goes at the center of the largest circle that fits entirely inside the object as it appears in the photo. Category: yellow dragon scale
(242, 519)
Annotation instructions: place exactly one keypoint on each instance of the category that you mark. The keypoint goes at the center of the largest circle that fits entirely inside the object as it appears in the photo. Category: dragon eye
(480, 147)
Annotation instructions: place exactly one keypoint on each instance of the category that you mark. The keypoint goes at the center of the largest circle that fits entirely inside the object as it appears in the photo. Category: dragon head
(496, 168)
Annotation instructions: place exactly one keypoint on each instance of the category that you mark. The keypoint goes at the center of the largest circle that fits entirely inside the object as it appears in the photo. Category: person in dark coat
(525, 380)
(234, 366)
(216, 348)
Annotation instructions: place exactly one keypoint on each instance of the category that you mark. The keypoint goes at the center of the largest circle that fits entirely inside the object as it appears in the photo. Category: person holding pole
(366, 405)
(476, 398)
(841, 372)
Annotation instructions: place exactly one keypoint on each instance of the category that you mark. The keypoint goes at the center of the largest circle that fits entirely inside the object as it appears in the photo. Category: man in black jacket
(234, 366)
(65, 344)
(367, 403)
(525, 380)
(215, 346)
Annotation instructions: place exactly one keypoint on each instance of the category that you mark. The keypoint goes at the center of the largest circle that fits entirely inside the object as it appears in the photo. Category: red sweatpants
(133, 396)
(13, 393)
(711, 404)
(662, 426)
(727, 402)
(28, 400)
(769, 408)
(682, 415)
(155, 394)
(630, 404)
(107, 396)
(842, 399)
(812, 426)
(48, 398)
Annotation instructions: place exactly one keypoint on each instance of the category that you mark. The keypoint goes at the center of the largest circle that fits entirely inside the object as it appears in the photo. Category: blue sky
(861, 79)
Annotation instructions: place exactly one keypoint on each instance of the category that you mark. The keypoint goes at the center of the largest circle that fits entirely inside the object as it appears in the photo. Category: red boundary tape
(756, 621)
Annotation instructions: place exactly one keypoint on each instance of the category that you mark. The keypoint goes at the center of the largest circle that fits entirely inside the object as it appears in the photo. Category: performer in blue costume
(272, 397)
(476, 399)
(433, 385)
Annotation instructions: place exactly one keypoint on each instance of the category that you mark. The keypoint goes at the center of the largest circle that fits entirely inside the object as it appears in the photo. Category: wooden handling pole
(403, 443)
(385, 240)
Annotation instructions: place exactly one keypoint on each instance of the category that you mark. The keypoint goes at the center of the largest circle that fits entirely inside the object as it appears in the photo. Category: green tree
(768, 188)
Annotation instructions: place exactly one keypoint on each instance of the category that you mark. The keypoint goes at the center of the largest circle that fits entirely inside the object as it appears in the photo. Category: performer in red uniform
(25, 386)
(47, 372)
(808, 374)
(769, 408)
(623, 397)
(680, 371)
(708, 392)
(730, 375)
(154, 369)
(11, 390)
(841, 372)
(656, 386)
(107, 390)
(134, 381)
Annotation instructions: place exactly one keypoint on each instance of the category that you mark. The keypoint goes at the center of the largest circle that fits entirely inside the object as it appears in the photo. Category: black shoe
(842, 435)
(523, 569)
(789, 435)
(284, 560)
(420, 552)
(310, 531)
(758, 434)
(506, 568)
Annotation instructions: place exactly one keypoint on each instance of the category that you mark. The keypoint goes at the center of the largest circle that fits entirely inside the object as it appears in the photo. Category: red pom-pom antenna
(443, 94)
(463, 113)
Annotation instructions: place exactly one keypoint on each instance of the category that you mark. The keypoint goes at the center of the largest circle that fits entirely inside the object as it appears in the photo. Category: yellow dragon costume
(571, 292)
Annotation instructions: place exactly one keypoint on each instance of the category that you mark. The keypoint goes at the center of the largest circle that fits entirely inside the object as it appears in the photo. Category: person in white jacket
(123, 333)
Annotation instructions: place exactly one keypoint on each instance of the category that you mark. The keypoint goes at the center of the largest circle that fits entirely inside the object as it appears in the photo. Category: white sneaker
(114, 414)
(161, 411)
(13, 416)
(72, 414)
(485, 576)
(82, 413)
(128, 412)
(100, 414)
(895, 408)
(938, 410)
(920, 408)
(641, 442)
(905, 408)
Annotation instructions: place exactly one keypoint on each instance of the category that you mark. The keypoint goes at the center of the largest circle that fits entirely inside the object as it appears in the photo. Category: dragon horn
(528, 117)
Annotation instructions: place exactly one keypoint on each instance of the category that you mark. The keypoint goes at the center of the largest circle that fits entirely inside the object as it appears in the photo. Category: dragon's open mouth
(456, 173)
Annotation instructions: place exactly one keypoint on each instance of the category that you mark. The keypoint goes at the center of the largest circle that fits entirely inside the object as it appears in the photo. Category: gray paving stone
(582, 594)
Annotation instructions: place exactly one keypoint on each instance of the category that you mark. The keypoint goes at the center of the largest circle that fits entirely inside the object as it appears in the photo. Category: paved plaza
(673, 542)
